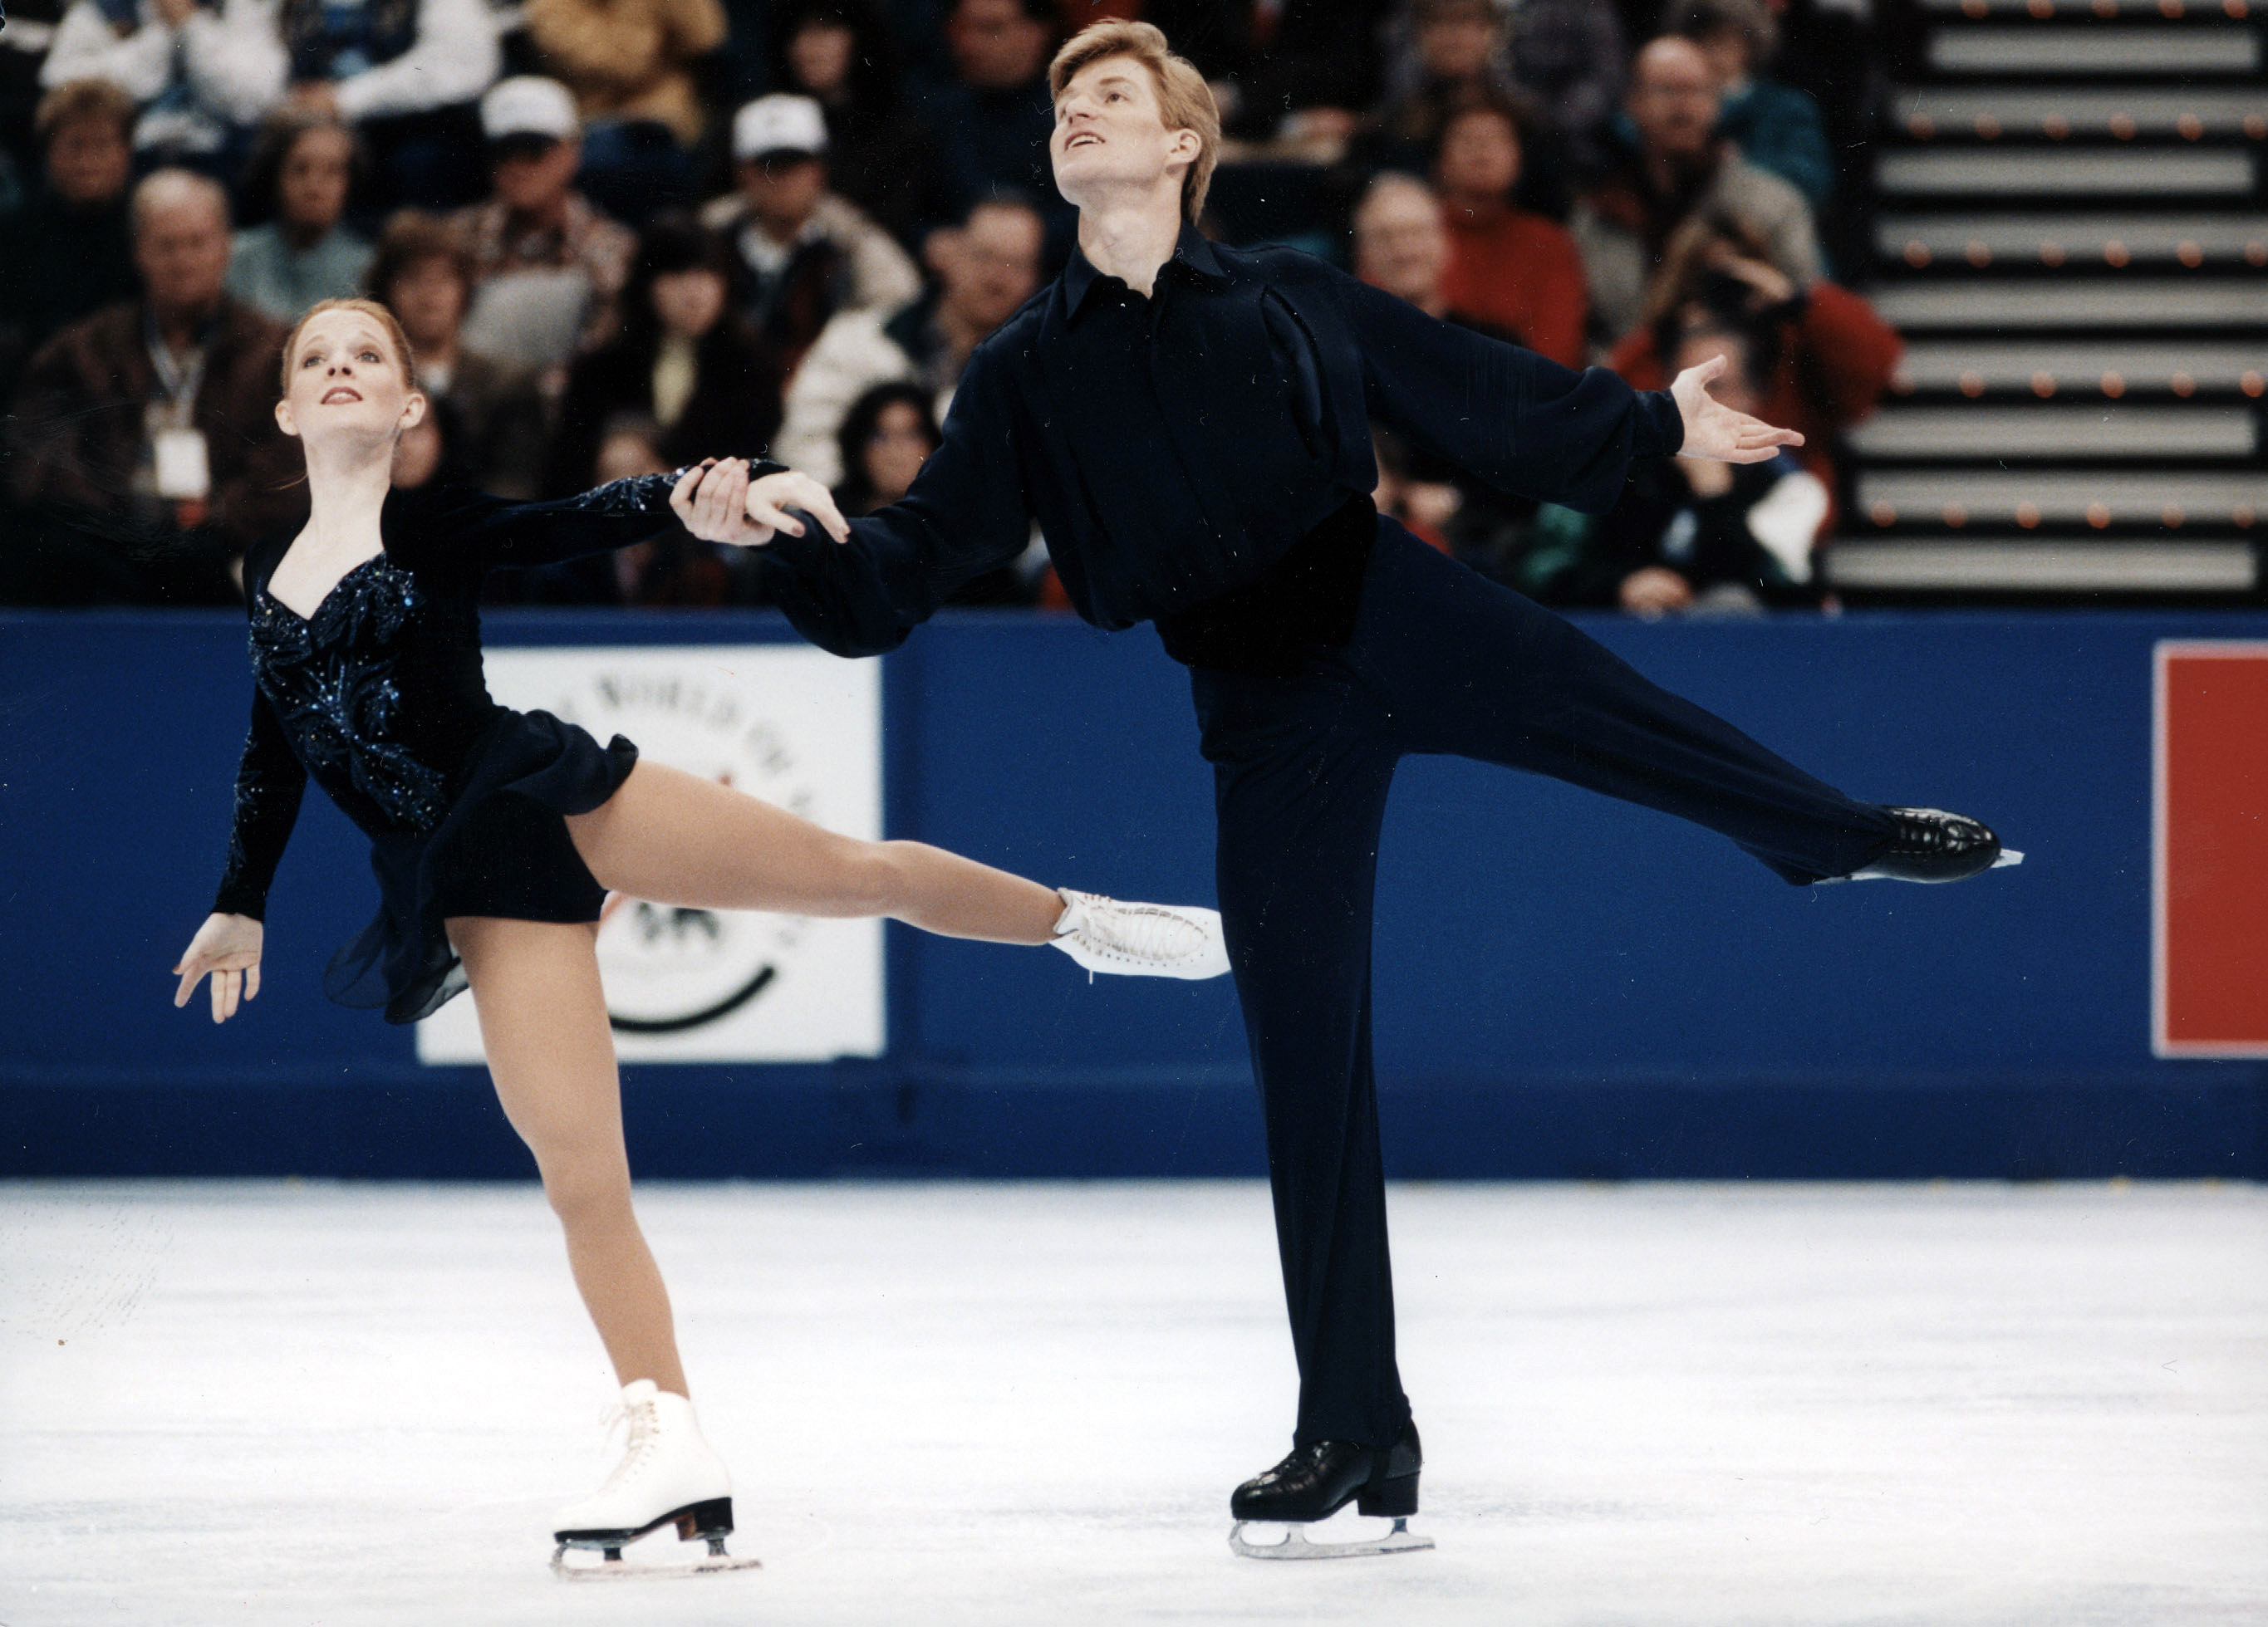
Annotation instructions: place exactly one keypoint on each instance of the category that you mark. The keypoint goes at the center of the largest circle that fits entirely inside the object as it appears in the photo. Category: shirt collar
(1193, 258)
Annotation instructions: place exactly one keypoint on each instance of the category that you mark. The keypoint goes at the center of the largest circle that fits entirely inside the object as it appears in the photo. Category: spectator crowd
(624, 234)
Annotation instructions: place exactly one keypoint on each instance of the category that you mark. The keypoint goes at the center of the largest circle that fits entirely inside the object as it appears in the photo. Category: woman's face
(1480, 156)
(688, 302)
(820, 58)
(312, 191)
(896, 450)
(347, 383)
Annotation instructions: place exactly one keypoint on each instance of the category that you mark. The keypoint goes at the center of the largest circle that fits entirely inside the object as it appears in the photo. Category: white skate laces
(1140, 940)
(666, 1473)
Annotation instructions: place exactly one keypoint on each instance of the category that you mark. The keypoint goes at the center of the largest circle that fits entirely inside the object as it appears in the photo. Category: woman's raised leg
(672, 838)
(543, 1024)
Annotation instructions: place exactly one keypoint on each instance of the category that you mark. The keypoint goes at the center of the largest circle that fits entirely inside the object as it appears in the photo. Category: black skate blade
(1295, 1545)
(710, 1522)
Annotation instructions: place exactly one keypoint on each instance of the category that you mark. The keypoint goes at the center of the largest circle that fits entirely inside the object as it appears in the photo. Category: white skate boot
(1142, 940)
(666, 1473)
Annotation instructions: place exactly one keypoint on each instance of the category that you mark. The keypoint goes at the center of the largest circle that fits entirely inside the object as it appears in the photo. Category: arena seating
(2072, 236)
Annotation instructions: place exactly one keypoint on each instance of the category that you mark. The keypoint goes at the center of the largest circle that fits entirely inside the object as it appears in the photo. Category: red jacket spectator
(1519, 272)
(1835, 359)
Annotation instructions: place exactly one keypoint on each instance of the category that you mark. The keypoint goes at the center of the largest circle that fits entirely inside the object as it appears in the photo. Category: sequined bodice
(336, 681)
(378, 695)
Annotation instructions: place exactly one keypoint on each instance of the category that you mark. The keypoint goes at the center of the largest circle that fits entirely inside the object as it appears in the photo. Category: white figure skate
(1140, 940)
(1295, 1543)
(666, 1474)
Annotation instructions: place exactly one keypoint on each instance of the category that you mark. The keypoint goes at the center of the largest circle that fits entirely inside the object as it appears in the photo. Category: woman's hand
(1713, 429)
(718, 503)
(227, 947)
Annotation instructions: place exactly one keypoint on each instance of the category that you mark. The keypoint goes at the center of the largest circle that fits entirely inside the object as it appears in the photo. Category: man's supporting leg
(1301, 775)
(1476, 670)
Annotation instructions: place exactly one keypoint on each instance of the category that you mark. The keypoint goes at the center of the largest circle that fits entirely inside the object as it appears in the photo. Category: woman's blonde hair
(1184, 99)
(370, 308)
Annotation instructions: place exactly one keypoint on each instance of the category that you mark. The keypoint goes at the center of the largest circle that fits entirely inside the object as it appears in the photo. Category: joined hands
(719, 503)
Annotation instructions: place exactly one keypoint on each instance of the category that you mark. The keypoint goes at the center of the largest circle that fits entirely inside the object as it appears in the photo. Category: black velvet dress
(380, 696)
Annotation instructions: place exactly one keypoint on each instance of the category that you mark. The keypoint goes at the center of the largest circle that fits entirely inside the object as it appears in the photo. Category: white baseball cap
(778, 124)
(529, 105)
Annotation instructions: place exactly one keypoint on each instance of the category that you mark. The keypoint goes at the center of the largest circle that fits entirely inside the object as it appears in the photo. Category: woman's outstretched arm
(270, 781)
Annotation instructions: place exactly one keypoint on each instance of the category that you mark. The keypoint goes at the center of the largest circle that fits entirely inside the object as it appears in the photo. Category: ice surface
(266, 1402)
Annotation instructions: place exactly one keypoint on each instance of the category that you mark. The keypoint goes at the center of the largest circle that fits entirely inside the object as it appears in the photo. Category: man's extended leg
(1301, 773)
(1477, 671)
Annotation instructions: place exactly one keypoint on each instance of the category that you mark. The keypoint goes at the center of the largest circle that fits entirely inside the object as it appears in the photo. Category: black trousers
(1442, 660)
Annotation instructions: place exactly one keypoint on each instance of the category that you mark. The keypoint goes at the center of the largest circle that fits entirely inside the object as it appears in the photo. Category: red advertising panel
(2210, 896)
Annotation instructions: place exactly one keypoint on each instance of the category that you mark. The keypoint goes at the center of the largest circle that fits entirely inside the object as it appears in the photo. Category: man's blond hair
(1184, 99)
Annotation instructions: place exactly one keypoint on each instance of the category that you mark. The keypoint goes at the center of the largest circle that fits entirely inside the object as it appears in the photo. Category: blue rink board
(1565, 986)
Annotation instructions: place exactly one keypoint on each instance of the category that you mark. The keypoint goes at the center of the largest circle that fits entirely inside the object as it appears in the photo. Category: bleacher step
(1932, 112)
(2095, 497)
(2021, 565)
(2107, 429)
(2063, 174)
(2217, 48)
(2102, 302)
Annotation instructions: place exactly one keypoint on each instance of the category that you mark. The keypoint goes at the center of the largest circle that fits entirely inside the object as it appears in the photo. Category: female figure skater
(495, 835)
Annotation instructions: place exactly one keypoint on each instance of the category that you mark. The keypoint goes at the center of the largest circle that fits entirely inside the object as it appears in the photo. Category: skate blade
(612, 1567)
(1295, 1545)
(2008, 856)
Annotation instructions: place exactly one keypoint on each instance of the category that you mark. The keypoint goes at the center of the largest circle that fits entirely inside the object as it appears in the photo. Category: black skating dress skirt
(379, 697)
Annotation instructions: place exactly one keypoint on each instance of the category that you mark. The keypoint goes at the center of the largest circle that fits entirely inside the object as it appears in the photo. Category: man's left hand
(1713, 429)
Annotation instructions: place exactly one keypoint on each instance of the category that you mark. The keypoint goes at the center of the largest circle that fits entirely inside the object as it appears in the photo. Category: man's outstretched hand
(718, 503)
(1713, 429)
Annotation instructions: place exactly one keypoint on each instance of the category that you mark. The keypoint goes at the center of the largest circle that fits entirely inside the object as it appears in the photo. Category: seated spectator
(303, 169)
(1776, 127)
(985, 271)
(149, 452)
(885, 438)
(1507, 267)
(628, 63)
(1401, 242)
(1679, 169)
(1568, 58)
(1455, 57)
(684, 358)
(1823, 355)
(996, 115)
(804, 253)
(203, 76)
(405, 75)
(67, 250)
(546, 267)
(1294, 72)
(423, 274)
(1420, 497)
(1692, 536)
(880, 154)
(671, 571)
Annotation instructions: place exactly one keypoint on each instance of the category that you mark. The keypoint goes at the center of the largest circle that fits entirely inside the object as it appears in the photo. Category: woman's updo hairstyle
(370, 308)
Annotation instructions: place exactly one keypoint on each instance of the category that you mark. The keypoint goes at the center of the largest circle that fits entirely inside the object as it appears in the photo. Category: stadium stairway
(2072, 238)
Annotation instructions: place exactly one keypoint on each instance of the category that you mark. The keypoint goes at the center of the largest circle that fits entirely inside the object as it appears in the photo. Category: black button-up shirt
(1174, 449)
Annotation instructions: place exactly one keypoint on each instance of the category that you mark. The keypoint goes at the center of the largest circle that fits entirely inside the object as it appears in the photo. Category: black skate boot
(1933, 846)
(1319, 1479)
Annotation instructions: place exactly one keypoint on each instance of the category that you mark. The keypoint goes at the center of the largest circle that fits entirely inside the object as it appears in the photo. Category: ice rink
(250, 1403)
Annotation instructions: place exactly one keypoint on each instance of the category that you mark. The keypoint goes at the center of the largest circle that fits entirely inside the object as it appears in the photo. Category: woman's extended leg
(543, 1023)
(672, 838)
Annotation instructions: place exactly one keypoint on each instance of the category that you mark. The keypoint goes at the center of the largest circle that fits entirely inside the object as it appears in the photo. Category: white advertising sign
(793, 725)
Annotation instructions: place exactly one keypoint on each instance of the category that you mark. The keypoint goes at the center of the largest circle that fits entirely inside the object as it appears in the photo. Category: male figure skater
(1190, 426)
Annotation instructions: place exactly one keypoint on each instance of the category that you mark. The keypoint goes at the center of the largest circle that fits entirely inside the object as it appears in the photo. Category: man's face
(533, 175)
(1456, 47)
(1673, 98)
(995, 267)
(88, 160)
(180, 247)
(784, 188)
(1399, 244)
(994, 46)
(428, 301)
(1109, 128)
(819, 55)
(312, 191)
(1480, 156)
